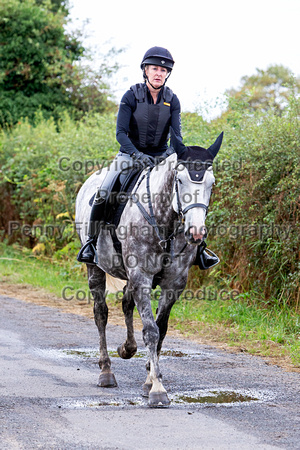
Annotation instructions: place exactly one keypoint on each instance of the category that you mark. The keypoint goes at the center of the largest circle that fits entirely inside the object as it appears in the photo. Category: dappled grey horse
(160, 228)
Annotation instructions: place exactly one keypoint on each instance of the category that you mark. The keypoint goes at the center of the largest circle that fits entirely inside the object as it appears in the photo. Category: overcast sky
(214, 43)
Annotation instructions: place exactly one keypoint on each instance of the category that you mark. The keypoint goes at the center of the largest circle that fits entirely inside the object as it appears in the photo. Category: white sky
(213, 42)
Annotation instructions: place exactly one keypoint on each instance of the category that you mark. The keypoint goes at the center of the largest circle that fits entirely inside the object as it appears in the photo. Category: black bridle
(182, 212)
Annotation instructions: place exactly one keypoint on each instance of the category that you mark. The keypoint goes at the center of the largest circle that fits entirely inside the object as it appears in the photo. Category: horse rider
(146, 112)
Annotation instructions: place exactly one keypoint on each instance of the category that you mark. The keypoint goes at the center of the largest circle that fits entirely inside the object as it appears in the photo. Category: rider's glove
(142, 160)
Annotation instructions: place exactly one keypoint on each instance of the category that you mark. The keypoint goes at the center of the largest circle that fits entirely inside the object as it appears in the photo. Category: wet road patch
(196, 399)
(211, 396)
(216, 397)
(88, 403)
(94, 353)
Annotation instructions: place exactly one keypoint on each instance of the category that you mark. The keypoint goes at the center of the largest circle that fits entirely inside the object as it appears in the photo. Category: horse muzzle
(194, 235)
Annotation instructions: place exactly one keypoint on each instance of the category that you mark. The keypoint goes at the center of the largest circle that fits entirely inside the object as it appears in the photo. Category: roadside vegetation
(49, 145)
(239, 324)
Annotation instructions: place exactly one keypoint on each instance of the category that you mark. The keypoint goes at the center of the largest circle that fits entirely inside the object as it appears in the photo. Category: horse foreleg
(147, 386)
(157, 393)
(166, 301)
(96, 279)
(129, 347)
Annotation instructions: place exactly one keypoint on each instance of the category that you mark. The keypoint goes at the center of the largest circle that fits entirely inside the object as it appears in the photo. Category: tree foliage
(267, 88)
(56, 5)
(40, 64)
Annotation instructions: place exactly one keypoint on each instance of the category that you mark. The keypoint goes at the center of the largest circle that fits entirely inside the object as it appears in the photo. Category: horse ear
(215, 147)
(176, 143)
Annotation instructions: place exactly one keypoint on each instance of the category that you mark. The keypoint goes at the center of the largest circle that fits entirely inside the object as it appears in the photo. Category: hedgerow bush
(253, 218)
(255, 209)
(43, 167)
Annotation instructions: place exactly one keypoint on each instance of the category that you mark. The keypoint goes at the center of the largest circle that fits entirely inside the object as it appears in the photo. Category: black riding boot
(205, 259)
(88, 251)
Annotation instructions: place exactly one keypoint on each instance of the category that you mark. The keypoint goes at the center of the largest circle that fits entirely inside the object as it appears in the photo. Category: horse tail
(114, 285)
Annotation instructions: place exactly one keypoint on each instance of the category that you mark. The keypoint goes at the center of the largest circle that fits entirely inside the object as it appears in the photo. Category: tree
(40, 64)
(36, 60)
(267, 88)
(56, 5)
(90, 89)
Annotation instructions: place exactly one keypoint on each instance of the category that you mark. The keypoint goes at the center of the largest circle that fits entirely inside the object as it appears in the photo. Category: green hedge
(254, 211)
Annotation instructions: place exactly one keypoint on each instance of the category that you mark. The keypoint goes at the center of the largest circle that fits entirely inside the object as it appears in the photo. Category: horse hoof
(107, 379)
(146, 389)
(158, 399)
(126, 353)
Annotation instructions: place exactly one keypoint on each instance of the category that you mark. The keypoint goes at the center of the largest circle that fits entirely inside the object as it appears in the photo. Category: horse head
(193, 183)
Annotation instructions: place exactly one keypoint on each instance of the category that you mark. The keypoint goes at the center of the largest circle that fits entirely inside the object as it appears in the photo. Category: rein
(169, 242)
(150, 217)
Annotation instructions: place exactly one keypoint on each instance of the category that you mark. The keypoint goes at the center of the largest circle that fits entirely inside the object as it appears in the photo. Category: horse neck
(162, 176)
(161, 184)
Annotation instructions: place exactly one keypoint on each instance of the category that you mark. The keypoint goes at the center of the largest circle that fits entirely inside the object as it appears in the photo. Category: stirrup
(91, 243)
(206, 259)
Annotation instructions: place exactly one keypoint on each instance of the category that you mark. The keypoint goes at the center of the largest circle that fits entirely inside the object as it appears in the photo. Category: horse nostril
(203, 231)
(188, 235)
(195, 235)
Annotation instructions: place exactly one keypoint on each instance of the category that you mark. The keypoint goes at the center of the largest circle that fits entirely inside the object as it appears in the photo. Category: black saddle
(117, 198)
(118, 195)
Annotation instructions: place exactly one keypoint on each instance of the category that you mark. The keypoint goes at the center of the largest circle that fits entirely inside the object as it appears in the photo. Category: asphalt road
(49, 398)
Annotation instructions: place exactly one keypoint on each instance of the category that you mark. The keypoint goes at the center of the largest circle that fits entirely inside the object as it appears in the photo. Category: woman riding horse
(145, 115)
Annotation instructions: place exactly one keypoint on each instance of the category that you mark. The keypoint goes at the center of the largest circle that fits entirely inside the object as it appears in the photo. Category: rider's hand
(142, 160)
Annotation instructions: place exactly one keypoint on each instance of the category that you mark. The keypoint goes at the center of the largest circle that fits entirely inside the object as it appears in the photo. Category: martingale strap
(149, 217)
(164, 243)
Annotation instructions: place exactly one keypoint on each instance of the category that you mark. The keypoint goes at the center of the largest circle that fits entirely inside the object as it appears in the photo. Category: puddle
(228, 397)
(200, 398)
(139, 354)
(94, 353)
(94, 403)
(174, 353)
(81, 353)
(167, 353)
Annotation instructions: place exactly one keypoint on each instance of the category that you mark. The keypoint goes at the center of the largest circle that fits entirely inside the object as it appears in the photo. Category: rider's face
(156, 75)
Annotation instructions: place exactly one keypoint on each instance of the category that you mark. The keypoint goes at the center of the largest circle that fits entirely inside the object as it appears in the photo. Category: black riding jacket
(143, 125)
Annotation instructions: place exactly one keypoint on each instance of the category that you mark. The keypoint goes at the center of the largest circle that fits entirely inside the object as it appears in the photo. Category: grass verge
(271, 331)
(63, 278)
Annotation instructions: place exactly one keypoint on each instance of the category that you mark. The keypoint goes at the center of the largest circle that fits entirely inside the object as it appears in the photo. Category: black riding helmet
(157, 56)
